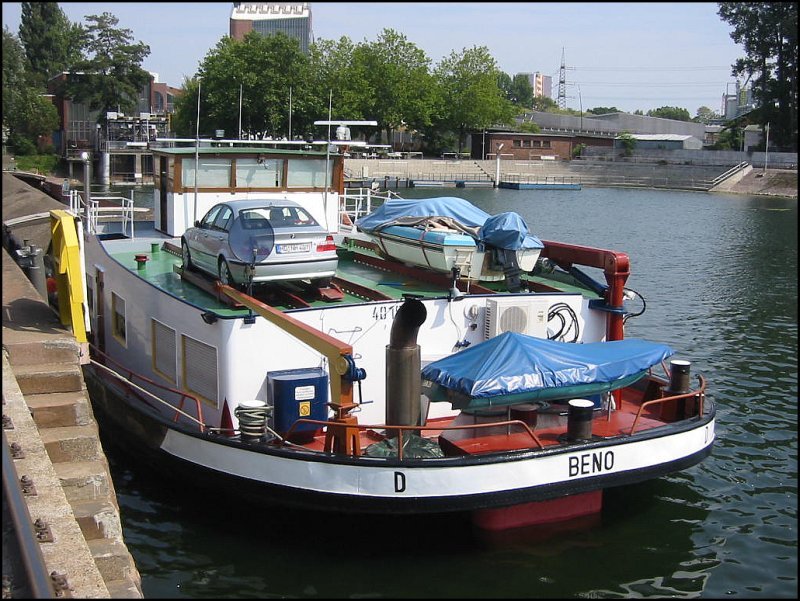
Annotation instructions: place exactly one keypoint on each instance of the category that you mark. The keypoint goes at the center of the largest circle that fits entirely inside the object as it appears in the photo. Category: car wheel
(186, 256)
(225, 276)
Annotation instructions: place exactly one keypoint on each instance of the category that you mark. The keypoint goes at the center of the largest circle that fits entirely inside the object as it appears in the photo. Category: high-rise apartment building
(542, 84)
(291, 18)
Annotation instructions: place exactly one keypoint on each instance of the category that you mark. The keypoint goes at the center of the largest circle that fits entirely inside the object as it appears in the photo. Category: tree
(111, 77)
(544, 104)
(399, 90)
(52, 43)
(471, 98)
(336, 76)
(265, 67)
(521, 91)
(530, 127)
(504, 82)
(705, 115)
(730, 138)
(768, 33)
(670, 112)
(27, 114)
(628, 142)
(604, 110)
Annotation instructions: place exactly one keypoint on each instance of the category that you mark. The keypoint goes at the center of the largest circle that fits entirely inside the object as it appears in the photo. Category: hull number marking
(383, 312)
(399, 482)
(591, 463)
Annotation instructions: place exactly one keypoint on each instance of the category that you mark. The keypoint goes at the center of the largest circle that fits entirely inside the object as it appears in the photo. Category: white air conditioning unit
(516, 314)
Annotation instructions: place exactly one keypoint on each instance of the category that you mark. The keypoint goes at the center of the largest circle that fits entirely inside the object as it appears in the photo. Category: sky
(626, 55)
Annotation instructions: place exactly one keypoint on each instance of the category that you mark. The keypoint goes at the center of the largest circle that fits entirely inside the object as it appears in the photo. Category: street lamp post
(497, 168)
(87, 195)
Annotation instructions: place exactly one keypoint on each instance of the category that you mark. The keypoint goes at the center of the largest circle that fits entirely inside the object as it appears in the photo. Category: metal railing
(123, 212)
(357, 202)
(128, 381)
(732, 171)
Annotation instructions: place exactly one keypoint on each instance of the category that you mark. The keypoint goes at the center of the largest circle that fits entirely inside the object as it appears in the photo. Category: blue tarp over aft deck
(516, 364)
(506, 230)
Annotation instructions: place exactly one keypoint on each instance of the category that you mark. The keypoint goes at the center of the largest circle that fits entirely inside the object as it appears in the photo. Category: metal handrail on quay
(30, 576)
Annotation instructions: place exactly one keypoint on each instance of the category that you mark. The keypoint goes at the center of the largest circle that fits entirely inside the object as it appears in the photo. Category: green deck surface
(160, 271)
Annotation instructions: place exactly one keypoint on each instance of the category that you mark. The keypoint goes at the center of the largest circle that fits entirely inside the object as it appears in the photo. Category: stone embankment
(587, 172)
(757, 182)
(45, 397)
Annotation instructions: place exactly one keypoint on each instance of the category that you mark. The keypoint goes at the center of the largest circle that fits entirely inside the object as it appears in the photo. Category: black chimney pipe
(403, 366)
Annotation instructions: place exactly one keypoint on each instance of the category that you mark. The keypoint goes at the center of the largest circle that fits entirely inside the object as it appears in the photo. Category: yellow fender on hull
(68, 272)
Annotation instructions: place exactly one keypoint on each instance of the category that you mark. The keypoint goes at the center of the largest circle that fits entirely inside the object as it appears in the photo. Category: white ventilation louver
(520, 315)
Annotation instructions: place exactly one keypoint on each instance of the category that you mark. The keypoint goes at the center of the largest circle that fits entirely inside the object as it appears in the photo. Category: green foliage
(399, 89)
(13, 76)
(544, 104)
(705, 115)
(670, 112)
(27, 113)
(628, 143)
(604, 110)
(265, 67)
(530, 127)
(521, 92)
(729, 139)
(471, 98)
(768, 33)
(577, 150)
(111, 77)
(37, 163)
(52, 43)
(336, 77)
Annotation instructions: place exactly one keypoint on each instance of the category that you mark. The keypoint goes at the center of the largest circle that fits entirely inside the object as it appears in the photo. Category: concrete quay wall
(45, 397)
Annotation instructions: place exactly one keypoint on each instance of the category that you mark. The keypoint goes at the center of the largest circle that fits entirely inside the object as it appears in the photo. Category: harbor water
(719, 274)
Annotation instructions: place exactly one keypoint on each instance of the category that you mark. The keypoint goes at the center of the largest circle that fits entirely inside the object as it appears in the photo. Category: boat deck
(362, 275)
(550, 428)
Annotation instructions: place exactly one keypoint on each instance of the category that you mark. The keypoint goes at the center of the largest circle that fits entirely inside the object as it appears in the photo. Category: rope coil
(252, 416)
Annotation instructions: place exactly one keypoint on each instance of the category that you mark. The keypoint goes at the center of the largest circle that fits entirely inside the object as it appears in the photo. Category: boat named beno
(404, 384)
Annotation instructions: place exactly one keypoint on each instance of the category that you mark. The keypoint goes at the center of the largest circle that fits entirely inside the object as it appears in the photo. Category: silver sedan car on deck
(279, 239)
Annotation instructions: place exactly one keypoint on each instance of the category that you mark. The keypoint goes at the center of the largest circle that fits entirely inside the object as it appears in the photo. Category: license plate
(293, 248)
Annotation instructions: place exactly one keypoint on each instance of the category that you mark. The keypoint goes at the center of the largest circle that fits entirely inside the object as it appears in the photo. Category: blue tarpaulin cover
(515, 364)
(506, 230)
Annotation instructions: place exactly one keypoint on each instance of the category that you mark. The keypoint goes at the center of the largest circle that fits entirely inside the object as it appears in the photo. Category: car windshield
(278, 217)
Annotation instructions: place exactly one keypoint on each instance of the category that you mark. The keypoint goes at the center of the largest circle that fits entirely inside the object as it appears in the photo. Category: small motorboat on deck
(449, 233)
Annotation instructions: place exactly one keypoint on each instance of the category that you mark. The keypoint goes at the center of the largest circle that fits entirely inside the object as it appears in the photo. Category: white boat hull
(473, 263)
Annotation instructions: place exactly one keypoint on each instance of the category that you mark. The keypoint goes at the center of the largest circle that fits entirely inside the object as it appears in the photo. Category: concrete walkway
(45, 396)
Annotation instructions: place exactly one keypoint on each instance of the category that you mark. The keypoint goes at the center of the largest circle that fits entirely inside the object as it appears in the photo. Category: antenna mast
(562, 83)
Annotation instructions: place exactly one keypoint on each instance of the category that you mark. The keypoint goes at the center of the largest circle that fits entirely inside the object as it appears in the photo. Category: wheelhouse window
(307, 174)
(118, 318)
(200, 369)
(213, 173)
(259, 173)
(164, 351)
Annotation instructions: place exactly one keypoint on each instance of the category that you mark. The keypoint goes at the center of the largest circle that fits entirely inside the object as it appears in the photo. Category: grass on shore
(44, 164)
